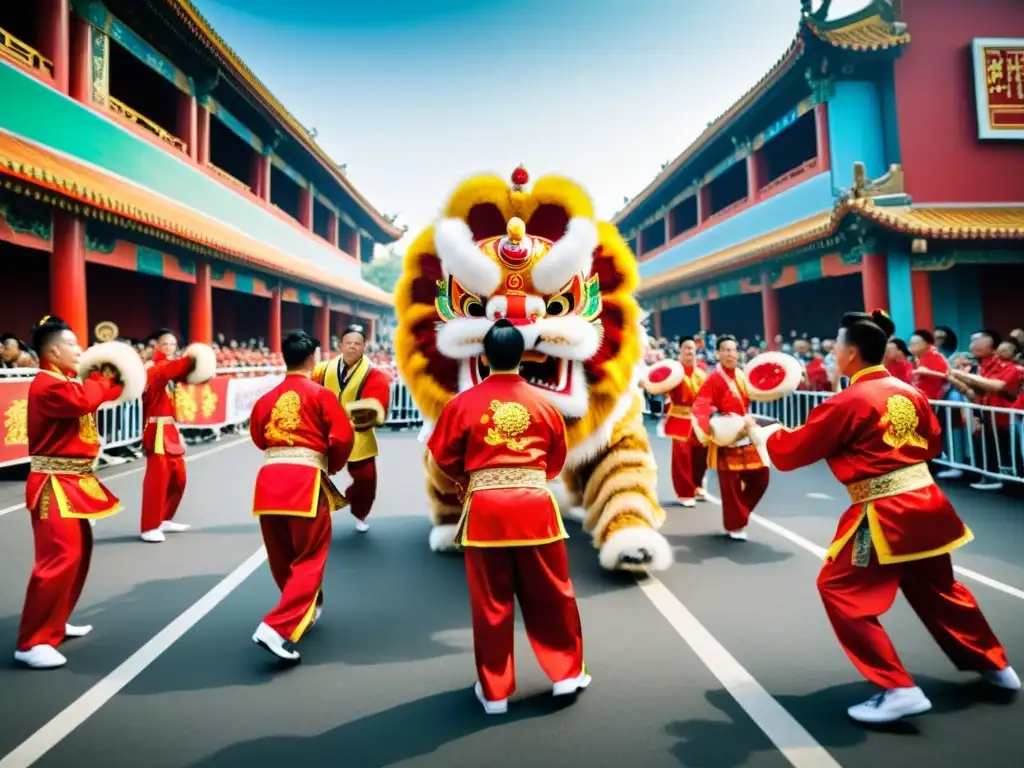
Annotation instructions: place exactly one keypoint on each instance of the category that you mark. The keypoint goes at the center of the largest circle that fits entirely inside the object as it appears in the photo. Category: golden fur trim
(615, 461)
(632, 503)
(642, 482)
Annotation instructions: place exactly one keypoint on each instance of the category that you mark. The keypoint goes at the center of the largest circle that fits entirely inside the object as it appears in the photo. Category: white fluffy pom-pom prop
(205, 363)
(727, 428)
(663, 376)
(771, 376)
(120, 356)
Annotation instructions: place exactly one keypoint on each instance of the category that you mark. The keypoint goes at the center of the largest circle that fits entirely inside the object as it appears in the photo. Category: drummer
(364, 391)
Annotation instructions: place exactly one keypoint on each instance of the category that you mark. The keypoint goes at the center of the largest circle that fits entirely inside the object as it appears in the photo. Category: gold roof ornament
(106, 331)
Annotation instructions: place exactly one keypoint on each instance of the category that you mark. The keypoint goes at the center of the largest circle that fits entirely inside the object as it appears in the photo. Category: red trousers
(162, 488)
(363, 490)
(297, 553)
(741, 491)
(856, 596)
(539, 577)
(689, 463)
(63, 549)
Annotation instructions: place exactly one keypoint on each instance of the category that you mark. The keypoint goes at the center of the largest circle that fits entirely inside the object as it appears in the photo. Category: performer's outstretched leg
(683, 482)
(178, 477)
(491, 576)
(363, 490)
(156, 485)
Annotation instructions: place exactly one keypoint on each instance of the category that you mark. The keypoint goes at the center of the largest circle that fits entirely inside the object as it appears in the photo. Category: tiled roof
(871, 34)
(112, 199)
(946, 223)
(207, 35)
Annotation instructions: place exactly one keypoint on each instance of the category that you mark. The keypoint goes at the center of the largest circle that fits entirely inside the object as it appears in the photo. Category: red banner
(14, 424)
(202, 405)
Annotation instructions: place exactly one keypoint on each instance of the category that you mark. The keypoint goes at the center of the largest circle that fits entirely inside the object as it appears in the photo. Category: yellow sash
(365, 446)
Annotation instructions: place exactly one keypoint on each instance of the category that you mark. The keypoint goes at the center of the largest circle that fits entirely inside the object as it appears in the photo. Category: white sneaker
(1004, 678)
(490, 707)
(41, 657)
(81, 630)
(890, 706)
(740, 535)
(268, 639)
(154, 536)
(316, 615)
(361, 526)
(987, 485)
(169, 526)
(92, 522)
(688, 502)
(573, 685)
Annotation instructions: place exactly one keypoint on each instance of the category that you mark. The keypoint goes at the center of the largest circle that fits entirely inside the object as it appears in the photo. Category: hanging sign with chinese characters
(999, 87)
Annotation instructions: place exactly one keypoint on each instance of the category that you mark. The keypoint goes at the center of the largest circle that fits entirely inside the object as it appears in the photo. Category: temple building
(879, 164)
(148, 177)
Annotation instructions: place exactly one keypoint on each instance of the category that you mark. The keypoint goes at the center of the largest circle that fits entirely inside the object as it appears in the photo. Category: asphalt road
(725, 660)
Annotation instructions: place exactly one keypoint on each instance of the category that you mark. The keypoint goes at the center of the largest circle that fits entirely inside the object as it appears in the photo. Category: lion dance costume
(540, 259)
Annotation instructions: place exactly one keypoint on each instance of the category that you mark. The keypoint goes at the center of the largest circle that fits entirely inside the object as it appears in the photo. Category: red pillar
(80, 60)
(755, 175)
(357, 246)
(274, 323)
(67, 274)
(703, 204)
(371, 329)
(656, 323)
(188, 123)
(256, 174)
(875, 282)
(322, 323)
(202, 135)
(770, 309)
(265, 166)
(332, 228)
(821, 129)
(639, 244)
(55, 40)
(705, 314)
(306, 207)
(921, 288)
(201, 318)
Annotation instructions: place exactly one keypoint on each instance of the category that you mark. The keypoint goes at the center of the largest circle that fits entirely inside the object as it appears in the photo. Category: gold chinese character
(1015, 73)
(16, 423)
(209, 401)
(184, 403)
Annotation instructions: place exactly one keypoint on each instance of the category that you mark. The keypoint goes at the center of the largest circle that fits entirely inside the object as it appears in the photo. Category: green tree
(384, 270)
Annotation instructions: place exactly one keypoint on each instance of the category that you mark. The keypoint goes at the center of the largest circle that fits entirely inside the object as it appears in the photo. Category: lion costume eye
(560, 305)
(455, 301)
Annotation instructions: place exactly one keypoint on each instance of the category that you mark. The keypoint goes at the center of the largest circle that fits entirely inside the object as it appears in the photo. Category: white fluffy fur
(727, 428)
(572, 253)
(461, 259)
(631, 541)
(442, 538)
(794, 375)
(463, 337)
(122, 357)
(570, 338)
(206, 363)
(675, 377)
(759, 437)
(369, 404)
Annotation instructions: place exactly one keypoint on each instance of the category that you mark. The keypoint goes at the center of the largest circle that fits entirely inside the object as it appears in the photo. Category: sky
(417, 95)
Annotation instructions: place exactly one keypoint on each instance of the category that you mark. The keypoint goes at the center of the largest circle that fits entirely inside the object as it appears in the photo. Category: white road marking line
(783, 730)
(135, 471)
(85, 706)
(820, 553)
(818, 496)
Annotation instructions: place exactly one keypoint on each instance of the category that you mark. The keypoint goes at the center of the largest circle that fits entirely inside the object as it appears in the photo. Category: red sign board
(13, 420)
(999, 87)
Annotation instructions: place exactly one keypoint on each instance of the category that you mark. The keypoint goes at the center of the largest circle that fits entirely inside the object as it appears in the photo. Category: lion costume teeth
(539, 256)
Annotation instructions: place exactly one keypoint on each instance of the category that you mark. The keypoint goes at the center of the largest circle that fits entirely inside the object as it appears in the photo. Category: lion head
(540, 259)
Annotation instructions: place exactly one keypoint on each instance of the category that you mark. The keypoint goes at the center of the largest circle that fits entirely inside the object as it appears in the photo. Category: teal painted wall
(855, 131)
(901, 297)
(956, 301)
(47, 117)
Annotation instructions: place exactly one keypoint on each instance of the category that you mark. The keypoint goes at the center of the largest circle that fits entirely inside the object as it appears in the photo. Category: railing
(24, 53)
(129, 114)
(236, 183)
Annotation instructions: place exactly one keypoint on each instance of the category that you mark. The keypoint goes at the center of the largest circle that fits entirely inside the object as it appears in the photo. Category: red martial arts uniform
(897, 534)
(164, 482)
(742, 475)
(689, 457)
(360, 388)
(62, 495)
(305, 437)
(508, 441)
(933, 387)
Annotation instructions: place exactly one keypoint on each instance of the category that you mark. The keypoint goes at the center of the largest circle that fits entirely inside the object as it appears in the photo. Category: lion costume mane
(539, 258)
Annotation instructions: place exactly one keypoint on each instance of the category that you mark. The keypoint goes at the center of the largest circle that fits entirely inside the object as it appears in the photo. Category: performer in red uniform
(897, 534)
(305, 437)
(502, 442)
(680, 382)
(62, 493)
(364, 391)
(742, 475)
(164, 482)
(922, 347)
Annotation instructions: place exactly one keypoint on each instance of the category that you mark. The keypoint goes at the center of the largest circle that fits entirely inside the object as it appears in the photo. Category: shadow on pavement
(696, 549)
(386, 738)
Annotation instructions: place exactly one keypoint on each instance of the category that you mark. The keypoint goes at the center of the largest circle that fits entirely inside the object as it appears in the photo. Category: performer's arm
(704, 407)
(375, 396)
(256, 430)
(559, 447)
(340, 435)
(67, 399)
(828, 426)
(447, 443)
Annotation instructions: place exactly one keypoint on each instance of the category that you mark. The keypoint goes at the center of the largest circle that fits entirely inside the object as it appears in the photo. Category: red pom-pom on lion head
(539, 258)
